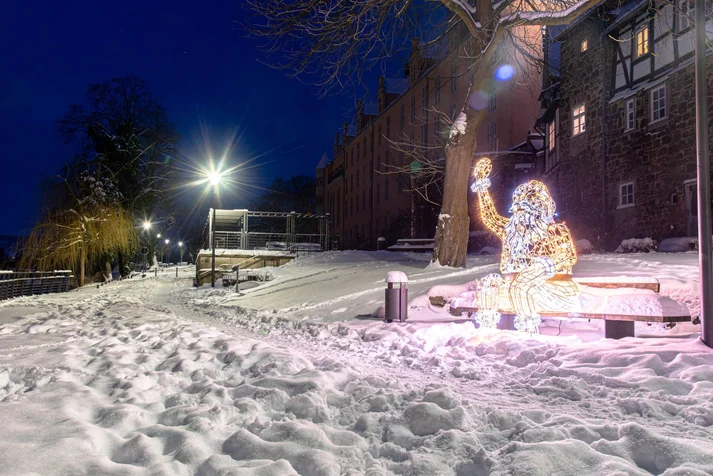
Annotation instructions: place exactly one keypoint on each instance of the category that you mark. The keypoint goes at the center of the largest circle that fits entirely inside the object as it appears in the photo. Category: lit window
(551, 155)
(658, 104)
(578, 120)
(626, 195)
(584, 46)
(630, 115)
(642, 42)
(551, 135)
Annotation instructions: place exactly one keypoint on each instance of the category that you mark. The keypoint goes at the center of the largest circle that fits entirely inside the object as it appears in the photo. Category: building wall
(375, 200)
(658, 158)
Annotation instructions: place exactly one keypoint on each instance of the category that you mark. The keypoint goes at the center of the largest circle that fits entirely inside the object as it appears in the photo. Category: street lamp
(147, 226)
(180, 248)
(158, 236)
(214, 178)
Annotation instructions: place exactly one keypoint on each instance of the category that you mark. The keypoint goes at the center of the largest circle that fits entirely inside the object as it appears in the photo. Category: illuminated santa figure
(537, 254)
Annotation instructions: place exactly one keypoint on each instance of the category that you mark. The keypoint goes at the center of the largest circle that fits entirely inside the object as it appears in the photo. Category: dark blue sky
(197, 63)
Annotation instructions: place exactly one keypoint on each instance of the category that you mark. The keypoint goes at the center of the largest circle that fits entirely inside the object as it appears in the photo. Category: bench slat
(457, 311)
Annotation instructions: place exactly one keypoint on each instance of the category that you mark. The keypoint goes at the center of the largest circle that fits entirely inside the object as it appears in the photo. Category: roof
(624, 12)
(579, 20)
(397, 85)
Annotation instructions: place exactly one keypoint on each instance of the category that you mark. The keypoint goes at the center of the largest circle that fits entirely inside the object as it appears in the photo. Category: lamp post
(214, 178)
(704, 179)
(180, 248)
(147, 228)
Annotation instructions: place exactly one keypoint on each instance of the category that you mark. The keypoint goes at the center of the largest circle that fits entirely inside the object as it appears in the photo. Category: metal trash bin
(380, 243)
(396, 299)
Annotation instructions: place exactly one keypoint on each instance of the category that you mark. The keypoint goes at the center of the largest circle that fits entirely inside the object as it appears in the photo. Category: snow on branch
(548, 18)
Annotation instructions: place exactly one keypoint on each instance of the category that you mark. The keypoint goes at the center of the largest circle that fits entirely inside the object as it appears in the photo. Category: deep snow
(296, 376)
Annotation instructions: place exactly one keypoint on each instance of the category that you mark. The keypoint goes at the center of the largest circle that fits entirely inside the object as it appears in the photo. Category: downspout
(604, 135)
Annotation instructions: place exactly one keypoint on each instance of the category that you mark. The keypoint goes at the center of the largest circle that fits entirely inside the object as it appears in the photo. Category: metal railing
(249, 230)
(28, 283)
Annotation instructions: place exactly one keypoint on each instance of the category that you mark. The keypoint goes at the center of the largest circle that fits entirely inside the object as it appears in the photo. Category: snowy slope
(156, 377)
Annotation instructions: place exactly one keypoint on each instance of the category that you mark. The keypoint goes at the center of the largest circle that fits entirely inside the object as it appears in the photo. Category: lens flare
(505, 73)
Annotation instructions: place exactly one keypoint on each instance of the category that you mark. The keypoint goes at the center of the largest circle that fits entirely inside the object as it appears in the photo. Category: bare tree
(333, 42)
(122, 130)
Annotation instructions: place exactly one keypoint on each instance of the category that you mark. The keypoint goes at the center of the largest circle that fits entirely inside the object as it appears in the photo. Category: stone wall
(657, 157)
(576, 181)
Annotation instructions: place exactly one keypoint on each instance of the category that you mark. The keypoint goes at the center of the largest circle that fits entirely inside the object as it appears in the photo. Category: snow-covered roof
(624, 12)
(397, 85)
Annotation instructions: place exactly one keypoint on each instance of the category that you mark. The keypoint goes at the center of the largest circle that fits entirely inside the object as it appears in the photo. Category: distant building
(366, 201)
(620, 153)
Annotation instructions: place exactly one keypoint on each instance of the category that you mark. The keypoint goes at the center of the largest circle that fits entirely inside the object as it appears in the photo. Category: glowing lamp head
(214, 178)
(166, 241)
(147, 226)
(180, 243)
(158, 235)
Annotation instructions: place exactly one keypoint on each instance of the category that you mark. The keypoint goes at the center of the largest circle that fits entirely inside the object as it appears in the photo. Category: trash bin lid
(396, 277)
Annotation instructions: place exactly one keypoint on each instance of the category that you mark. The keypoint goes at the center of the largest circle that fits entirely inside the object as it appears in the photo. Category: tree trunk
(108, 270)
(82, 265)
(453, 222)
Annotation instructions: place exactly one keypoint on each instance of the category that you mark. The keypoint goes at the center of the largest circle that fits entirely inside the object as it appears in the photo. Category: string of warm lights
(537, 256)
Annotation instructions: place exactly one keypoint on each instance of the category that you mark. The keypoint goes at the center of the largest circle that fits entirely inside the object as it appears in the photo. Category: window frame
(492, 97)
(630, 115)
(631, 194)
(437, 98)
(492, 136)
(454, 75)
(652, 111)
(686, 14)
(645, 42)
(582, 116)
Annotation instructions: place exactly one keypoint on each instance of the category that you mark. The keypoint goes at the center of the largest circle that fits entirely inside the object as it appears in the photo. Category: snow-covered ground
(298, 376)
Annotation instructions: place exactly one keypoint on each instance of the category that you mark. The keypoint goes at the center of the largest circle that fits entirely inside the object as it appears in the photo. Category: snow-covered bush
(637, 245)
(584, 247)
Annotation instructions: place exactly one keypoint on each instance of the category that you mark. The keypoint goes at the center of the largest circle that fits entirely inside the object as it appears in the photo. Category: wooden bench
(413, 244)
(616, 325)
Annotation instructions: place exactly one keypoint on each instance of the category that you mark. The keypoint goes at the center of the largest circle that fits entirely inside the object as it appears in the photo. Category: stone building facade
(620, 154)
(359, 186)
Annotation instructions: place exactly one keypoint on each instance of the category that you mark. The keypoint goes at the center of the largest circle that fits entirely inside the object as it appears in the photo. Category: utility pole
(704, 180)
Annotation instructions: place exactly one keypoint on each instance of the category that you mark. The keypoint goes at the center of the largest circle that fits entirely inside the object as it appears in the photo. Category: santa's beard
(522, 231)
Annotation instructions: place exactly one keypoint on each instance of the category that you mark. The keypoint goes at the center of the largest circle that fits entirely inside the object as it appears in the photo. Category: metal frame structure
(274, 231)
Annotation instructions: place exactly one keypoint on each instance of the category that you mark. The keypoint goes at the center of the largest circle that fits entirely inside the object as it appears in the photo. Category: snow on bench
(620, 308)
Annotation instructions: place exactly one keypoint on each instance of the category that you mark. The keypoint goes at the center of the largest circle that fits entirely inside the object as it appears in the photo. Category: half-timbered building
(620, 150)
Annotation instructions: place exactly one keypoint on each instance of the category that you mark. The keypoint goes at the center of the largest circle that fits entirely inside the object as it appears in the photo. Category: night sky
(197, 63)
